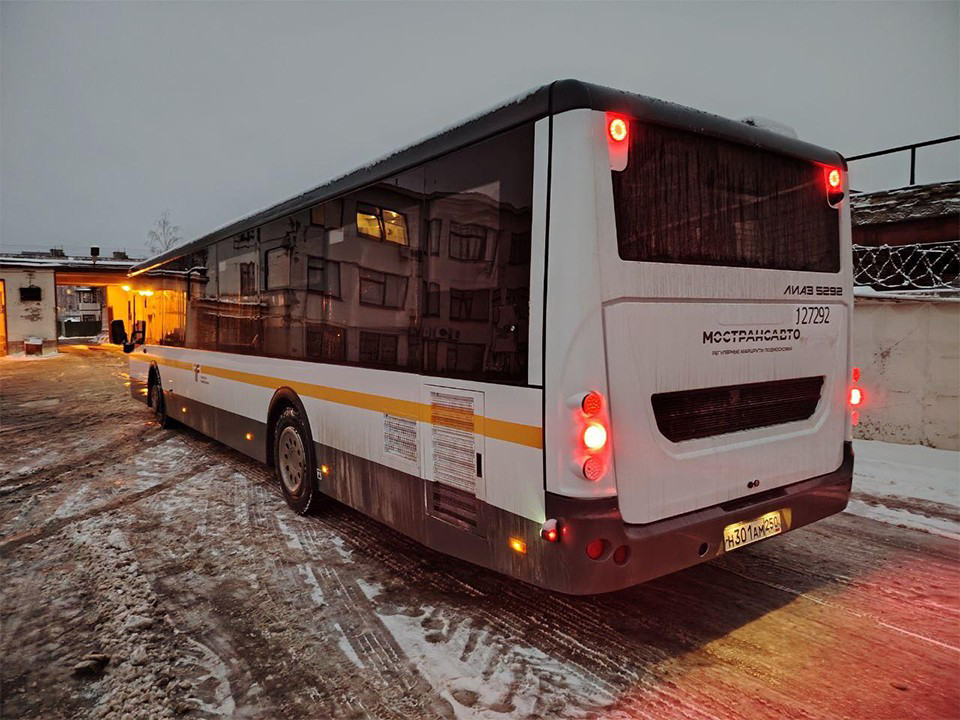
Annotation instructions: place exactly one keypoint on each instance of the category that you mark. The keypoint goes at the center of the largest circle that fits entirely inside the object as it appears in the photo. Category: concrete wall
(908, 351)
(30, 319)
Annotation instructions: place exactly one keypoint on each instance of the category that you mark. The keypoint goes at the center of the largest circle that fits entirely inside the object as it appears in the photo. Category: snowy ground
(908, 485)
(152, 573)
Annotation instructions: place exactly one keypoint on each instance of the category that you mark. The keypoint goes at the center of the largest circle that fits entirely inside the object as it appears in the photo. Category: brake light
(594, 436)
(833, 178)
(856, 396)
(856, 374)
(618, 129)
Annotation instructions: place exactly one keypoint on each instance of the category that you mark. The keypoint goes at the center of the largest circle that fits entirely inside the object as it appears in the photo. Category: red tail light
(856, 396)
(592, 403)
(618, 129)
(593, 468)
(834, 179)
(856, 374)
(550, 531)
(594, 436)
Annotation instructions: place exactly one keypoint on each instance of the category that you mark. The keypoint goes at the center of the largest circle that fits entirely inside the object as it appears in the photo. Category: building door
(3, 319)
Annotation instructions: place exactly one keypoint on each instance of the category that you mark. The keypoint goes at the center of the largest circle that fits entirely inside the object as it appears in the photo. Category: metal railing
(903, 148)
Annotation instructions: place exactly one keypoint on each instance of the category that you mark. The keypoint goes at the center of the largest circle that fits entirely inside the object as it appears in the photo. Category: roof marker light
(618, 129)
(550, 531)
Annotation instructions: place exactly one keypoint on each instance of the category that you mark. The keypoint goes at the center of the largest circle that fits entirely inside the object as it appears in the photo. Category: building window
(435, 226)
(30, 294)
(520, 248)
(469, 304)
(382, 289)
(323, 276)
(381, 224)
(465, 357)
(248, 278)
(378, 348)
(327, 343)
(468, 242)
(431, 294)
(277, 262)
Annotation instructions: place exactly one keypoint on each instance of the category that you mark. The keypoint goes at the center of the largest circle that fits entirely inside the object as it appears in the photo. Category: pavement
(152, 573)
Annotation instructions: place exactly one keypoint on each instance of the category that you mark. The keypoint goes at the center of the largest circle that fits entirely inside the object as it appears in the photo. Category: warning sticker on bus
(743, 533)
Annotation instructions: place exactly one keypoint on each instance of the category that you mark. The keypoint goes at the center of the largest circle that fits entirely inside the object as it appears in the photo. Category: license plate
(743, 533)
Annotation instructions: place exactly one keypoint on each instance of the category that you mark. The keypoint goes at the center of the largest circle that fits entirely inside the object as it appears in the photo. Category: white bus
(584, 339)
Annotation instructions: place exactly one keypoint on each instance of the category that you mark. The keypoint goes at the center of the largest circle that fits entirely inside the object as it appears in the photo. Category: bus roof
(557, 97)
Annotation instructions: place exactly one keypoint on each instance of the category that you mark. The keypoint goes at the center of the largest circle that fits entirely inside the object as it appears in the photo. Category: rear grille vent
(706, 412)
(453, 505)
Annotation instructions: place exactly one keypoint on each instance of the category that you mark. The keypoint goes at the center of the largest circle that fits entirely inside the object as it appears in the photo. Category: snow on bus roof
(534, 104)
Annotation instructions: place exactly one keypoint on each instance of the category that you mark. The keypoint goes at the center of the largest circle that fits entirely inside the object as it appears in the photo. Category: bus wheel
(159, 406)
(294, 462)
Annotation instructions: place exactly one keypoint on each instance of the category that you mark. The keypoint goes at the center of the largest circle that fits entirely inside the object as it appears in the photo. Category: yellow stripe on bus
(529, 435)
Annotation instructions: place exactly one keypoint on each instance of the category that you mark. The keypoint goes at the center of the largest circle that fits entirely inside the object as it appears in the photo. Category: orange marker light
(595, 436)
(833, 178)
(518, 545)
(618, 129)
(249, 436)
(324, 469)
(183, 409)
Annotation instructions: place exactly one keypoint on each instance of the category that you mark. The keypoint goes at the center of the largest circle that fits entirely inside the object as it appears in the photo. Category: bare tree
(164, 235)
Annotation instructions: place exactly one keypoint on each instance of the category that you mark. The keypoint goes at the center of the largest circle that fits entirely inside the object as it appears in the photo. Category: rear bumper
(669, 545)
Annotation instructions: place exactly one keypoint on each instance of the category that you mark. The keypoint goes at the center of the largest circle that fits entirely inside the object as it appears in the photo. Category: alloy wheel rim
(292, 460)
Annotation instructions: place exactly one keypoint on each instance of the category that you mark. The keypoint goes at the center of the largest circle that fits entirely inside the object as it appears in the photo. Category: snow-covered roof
(915, 202)
(57, 262)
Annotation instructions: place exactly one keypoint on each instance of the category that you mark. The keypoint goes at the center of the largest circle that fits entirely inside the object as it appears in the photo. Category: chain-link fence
(908, 267)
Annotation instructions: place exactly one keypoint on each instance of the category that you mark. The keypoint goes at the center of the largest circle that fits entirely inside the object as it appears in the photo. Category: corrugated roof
(914, 202)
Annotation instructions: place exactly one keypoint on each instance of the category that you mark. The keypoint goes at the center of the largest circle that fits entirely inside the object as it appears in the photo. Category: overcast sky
(111, 112)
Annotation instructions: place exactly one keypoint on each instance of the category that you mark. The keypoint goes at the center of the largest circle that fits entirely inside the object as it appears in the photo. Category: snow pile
(910, 485)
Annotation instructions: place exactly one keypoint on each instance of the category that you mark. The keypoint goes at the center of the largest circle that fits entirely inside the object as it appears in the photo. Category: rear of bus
(697, 364)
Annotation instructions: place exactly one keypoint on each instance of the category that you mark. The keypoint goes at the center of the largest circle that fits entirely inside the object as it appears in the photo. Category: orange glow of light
(125, 288)
(594, 436)
(833, 178)
(618, 129)
(249, 436)
(856, 396)
(518, 545)
(324, 469)
(183, 409)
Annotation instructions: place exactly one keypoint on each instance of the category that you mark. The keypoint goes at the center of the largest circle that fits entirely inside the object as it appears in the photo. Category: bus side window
(476, 275)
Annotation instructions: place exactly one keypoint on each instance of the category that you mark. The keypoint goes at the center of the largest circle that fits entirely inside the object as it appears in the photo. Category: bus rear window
(692, 199)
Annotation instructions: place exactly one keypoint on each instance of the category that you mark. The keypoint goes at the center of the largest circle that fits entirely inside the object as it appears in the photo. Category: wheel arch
(283, 398)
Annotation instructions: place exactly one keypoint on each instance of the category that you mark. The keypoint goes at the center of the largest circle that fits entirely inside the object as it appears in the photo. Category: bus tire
(294, 462)
(159, 405)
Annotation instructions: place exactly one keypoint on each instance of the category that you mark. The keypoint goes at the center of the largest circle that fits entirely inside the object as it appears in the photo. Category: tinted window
(202, 300)
(363, 275)
(477, 272)
(239, 307)
(688, 198)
